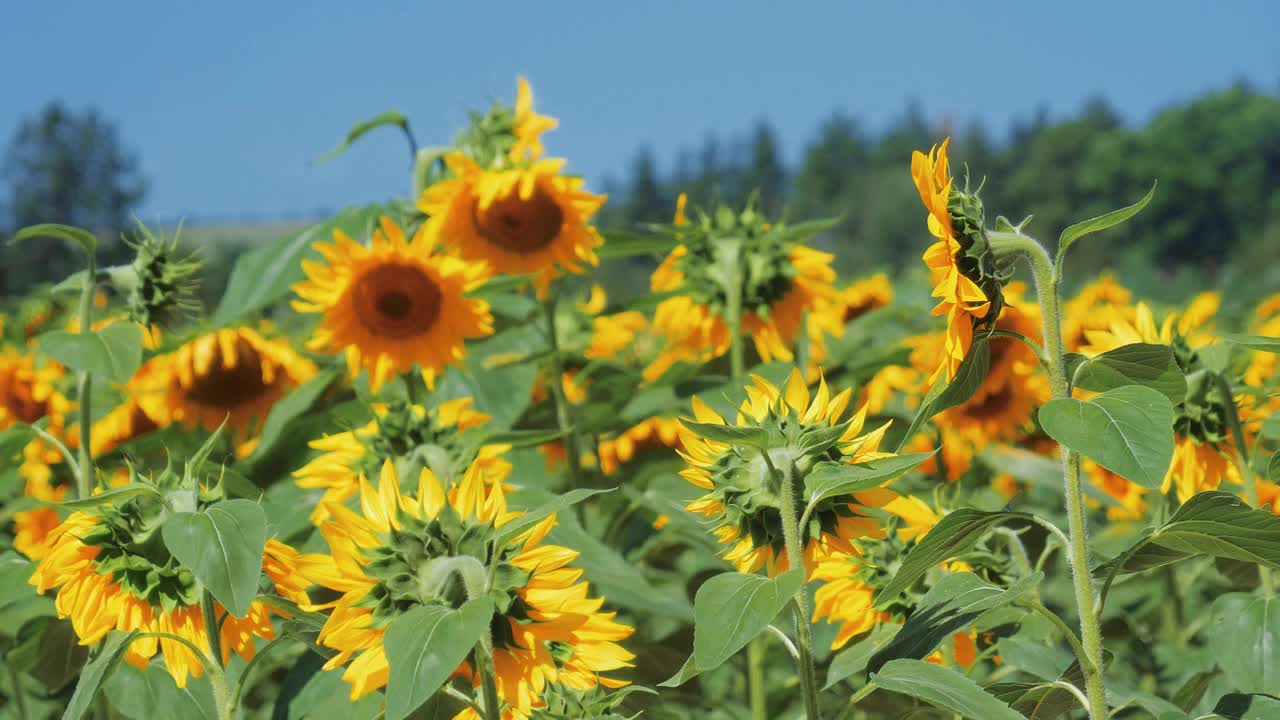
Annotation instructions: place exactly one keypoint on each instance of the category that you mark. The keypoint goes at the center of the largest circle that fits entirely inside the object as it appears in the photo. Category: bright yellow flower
(399, 431)
(393, 304)
(863, 296)
(960, 299)
(651, 433)
(99, 589)
(1197, 467)
(1130, 496)
(554, 633)
(231, 374)
(529, 125)
(1092, 310)
(528, 219)
(28, 392)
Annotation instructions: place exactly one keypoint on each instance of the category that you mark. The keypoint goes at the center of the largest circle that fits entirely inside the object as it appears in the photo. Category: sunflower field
(419, 462)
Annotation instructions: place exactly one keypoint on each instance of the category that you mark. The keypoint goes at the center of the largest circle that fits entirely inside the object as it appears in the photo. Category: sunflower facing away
(435, 438)
(393, 304)
(109, 579)
(232, 374)
(549, 632)
(523, 219)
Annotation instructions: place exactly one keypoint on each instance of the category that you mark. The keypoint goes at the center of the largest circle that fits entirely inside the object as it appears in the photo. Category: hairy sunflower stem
(476, 587)
(563, 418)
(1046, 277)
(84, 385)
(1242, 467)
(795, 560)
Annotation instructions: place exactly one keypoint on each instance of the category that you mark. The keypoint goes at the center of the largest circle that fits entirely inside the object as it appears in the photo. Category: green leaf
(13, 440)
(1102, 222)
(390, 117)
(944, 688)
(95, 672)
(732, 608)
(150, 694)
(1244, 633)
(290, 408)
(263, 275)
(1034, 657)
(853, 660)
(509, 531)
(83, 238)
(1193, 690)
(112, 353)
(625, 243)
(1273, 468)
(688, 671)
(222, 546)
(752, 436)
(1128, 430)
(1143, 364)
(624, 582)
(1044, 701)
(953, 535)
(1254, 706)
(1261, 343)
(953, 605)
(115, 496)
(1210, 523)
(425, 646)
(48, 649)
(969, 376)
(829, 479)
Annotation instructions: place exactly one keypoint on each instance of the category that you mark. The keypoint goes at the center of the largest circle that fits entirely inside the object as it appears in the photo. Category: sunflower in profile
(108, 580)
(786, 291)
(743, 496)
(549, 632)
(394, 304)
(523, 219)
(437, 438)
(863, 296)
(232, 374)
(960, 263)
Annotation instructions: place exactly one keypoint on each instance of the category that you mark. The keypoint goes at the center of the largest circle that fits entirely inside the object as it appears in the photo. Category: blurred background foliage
(1215, 221)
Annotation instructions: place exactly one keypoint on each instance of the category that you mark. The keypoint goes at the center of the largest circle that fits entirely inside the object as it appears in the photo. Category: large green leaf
(828, 480)
(1261, 343)
(290, 408)
(263, 275)
(222, 546)
(944, 688)
(1143, 364)
(95, 672)
(1254, 706)
(968, 378)
(1128, 430)
(48, 649)
(1074, 232)
(732, 608)
(150, 694)
(1244, 633)
(112, 353)
(953, 605)
(1210, 523)
(1043, 701)
(954, 534)
(425, 646)
(389, 117)
(625, 583)
(853, 659)
(83, 238)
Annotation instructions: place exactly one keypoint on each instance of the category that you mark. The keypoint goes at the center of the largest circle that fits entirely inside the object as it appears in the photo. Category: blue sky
(227, 102)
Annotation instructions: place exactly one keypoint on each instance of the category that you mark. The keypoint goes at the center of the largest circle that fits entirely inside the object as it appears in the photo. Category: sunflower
(529, 125)
(124, 423)
(654, 432)
(28, 391)
(231, 374)
(393, 304)
(954, 275)
(550, 632)
(863, 296)
(527, 219)
(743, 495)
(1199, 466)
(1092, 310)
(1129, 496)
(436, 438)
(106, 581)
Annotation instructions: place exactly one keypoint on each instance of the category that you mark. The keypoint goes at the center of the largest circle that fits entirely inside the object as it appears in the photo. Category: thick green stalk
(795, 559)
(1046, 277)
(84, 385)
(1242, 467)
(556, 382)
(755, 679)
(476, 587)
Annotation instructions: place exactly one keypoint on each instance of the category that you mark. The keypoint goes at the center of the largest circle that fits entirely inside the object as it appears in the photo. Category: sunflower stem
(211, 627)
(755, 679)
(84, 385)
(563, 418)
(1046, 277)
(476, 587)
(1242, 467)
(795, 559)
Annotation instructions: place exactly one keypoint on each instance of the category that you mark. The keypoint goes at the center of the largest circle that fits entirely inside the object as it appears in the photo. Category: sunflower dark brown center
(230, 386)
(521, 225)
(397, 301)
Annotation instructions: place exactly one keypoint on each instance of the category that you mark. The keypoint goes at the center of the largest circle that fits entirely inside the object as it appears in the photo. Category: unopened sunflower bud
(975, 258)
(160, 283)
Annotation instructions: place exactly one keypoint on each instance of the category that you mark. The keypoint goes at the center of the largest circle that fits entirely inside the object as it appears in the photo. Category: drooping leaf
(1074, 232)
(852, 660)
(828, 480)
(263, 275)
(48, 649)
(1143, 364)
(954, 534)
(425, 646)
(953, 605)
(389, 117)
(1244, 632)
(944, 688)
(732, 608)
(150, 694)
(83, 238)
(222, 546)
(1128, 430)
(112, 353)
(95, 672)
(968, 378)
(511, 530)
